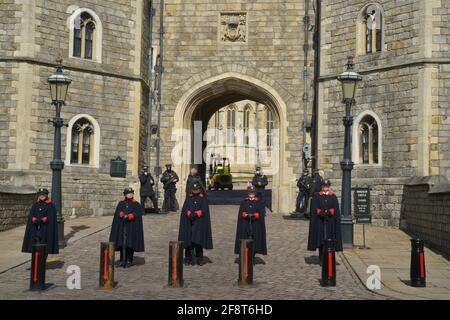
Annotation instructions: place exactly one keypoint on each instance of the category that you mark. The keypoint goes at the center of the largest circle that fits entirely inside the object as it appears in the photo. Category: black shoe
(201, 261)
(128, 264)
(187, 261)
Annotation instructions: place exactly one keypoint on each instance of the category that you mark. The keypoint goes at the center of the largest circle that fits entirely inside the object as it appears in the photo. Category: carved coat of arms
(234, 27)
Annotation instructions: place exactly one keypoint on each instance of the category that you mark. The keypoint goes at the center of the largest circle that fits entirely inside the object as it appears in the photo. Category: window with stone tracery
(82, 142)
(246, 124)
(84, 36)
(231, 125)
(368, 137)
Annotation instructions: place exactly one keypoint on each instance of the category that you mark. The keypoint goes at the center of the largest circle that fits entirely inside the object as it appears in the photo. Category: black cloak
(258, 226)
(48, 231)
(321, 204)
(196, 230)
(134, 228)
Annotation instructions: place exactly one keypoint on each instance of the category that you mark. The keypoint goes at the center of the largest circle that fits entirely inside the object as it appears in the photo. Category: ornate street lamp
(349, 79)
(59, 85)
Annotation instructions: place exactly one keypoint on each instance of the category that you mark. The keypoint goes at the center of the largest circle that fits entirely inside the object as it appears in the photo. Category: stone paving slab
(290, 271)
(390, 249)
(74, 230)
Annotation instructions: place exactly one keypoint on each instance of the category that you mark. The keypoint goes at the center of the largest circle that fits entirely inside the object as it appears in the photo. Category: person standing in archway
(259, 182)
(169, 180)
(193, 178)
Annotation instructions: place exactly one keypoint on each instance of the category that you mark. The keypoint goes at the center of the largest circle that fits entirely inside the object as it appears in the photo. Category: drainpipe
(306, 24)
(316, 46)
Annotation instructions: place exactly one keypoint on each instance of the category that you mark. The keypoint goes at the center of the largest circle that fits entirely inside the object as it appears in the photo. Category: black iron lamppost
(59, 84)
(349, 79)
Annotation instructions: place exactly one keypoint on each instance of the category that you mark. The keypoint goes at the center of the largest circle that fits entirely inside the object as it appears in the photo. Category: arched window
(246, 124)
(231, 125)
(269, 127)
(370, 35)
(83, 141)
(368, 138)
(85, 35)
(217, 126)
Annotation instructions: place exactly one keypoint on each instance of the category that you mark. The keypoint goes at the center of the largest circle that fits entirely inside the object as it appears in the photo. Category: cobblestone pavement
(290, 271)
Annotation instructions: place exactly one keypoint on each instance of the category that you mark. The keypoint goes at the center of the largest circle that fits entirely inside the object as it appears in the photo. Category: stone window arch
(231, 125)
(370, 29)
(367, 135)
(83, 141)
(85, 41)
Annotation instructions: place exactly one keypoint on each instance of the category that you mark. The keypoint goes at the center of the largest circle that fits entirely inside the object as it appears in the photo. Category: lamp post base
(347, 232)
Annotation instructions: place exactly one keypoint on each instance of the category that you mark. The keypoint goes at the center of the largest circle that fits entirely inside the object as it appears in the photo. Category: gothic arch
(355, 135)
(96, 155)
(99, 32)
(210, 94)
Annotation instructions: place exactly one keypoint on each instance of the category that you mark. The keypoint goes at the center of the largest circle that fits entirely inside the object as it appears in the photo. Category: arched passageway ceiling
(224, 92)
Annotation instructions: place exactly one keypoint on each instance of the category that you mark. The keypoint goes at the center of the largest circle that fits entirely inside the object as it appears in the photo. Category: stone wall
(112, 91)
(272, 53)
(401, 87)
(426, 211)
(15, 204)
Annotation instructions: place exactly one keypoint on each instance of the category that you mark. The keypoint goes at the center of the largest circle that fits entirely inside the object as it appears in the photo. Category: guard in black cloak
(42, 225)
(192, 178)
(251, 222)
(195, 226)
(127, 230)
(325, 219)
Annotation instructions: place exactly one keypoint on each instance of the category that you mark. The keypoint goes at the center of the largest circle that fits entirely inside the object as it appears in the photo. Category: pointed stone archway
(201, 100)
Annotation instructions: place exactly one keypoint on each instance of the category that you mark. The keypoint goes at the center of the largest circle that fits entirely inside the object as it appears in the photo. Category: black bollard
(329, 263)
(246, 256)
(176, 264)
(106, 274)
(418, 273)
(38, 266)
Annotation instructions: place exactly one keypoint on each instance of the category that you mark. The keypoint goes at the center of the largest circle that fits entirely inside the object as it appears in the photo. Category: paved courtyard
(290, 271)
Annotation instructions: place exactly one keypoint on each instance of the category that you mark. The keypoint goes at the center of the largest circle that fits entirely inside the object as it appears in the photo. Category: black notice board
(362, 205)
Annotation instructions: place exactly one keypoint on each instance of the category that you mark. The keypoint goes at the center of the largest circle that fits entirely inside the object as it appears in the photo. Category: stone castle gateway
(215, 54)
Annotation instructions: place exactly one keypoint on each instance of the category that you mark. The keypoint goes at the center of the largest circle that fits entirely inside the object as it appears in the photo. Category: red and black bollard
(418, 272)
(246, 256)
(107, 257)
(38, 266)
(176, 264)
(329, 263)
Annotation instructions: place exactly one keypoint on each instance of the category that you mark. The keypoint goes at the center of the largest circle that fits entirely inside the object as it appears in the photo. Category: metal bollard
(176, 264)
(329, 263)
(38, 266)
(418, 272)
(246, 256)
(106, 273)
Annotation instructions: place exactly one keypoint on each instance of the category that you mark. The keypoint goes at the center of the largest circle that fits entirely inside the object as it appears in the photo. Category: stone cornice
(413, 63)
(73, 67)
